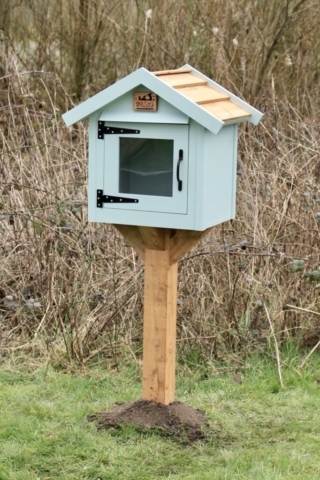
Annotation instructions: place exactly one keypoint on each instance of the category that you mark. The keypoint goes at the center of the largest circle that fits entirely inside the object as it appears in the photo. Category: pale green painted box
(163, 150)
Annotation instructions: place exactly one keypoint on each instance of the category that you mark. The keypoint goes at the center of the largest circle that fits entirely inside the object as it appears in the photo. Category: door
(146, 167)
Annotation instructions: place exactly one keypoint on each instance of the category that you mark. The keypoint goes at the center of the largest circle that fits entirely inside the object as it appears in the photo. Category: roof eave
(98, 101)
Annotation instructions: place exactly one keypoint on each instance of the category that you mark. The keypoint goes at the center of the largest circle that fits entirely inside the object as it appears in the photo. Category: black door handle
(178, 170)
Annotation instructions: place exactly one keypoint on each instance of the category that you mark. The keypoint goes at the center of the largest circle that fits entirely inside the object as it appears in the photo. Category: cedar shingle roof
(197, 89)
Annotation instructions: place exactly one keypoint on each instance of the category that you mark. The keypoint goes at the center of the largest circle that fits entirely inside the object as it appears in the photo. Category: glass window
(146, 166)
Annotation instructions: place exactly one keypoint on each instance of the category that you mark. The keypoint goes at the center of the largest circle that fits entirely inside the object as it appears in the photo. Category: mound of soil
(176, 419)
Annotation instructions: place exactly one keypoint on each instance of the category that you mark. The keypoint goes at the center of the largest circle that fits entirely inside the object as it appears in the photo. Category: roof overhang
(163, 90)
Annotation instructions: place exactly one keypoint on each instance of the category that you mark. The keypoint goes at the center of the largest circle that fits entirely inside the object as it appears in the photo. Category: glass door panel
(146, 166)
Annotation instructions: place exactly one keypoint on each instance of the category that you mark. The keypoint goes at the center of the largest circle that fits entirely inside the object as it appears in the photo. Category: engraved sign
(145, 101)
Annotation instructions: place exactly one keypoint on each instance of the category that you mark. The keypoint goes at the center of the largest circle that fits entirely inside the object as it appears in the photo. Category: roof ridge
(172, 72)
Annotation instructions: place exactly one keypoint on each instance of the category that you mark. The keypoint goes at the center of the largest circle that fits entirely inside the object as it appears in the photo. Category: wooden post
(161, 249)
(159, 329)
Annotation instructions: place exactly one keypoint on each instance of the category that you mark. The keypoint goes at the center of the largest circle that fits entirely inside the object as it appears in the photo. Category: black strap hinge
(112, 199)
(107, 130)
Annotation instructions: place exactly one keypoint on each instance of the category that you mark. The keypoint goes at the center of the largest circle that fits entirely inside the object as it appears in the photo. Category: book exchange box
(163, 150)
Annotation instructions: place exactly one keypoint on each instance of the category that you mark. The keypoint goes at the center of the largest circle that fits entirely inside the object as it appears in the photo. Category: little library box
(162, 169)
(163, 150)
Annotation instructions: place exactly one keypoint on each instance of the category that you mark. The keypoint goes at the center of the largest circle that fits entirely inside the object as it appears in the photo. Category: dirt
(177, 419)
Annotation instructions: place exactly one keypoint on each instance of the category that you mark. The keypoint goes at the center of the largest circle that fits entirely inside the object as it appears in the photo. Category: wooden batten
(226, 110)
(203, 94)
(172, 72)
(182, 80)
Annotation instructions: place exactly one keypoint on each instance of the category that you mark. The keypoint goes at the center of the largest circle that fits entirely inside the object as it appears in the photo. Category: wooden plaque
(145, 101)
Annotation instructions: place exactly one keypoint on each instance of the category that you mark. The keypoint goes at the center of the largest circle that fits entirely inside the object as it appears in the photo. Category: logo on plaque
(145, 101)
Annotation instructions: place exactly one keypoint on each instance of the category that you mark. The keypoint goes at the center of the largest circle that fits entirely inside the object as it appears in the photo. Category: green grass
(263, 432)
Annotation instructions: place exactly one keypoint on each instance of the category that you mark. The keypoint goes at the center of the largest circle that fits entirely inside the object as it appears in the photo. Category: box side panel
(199, 144)
(122, 110)
(192, 175)
(235, 154)
(219, 176)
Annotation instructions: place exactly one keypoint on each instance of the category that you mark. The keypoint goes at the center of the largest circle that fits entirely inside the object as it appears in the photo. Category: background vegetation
(73, 291)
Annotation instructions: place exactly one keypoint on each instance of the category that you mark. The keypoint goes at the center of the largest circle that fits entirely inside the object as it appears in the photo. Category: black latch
(111, 199)
(178, 170)
(107, 130)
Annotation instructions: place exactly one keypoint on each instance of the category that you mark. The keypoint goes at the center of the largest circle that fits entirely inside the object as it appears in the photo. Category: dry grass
(87, 281)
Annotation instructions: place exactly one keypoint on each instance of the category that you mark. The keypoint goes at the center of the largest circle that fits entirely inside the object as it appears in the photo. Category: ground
(177, 419)
(258, 430)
